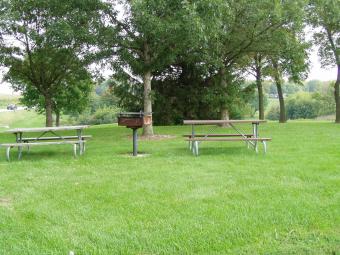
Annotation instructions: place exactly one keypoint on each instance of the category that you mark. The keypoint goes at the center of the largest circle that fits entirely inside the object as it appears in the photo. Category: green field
(226, 201)
(14, 119)
(8, 99)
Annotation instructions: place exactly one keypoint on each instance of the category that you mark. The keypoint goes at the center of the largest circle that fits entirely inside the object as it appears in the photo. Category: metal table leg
(19, 140)
(81, 147)
(256, 135)
(192, 136)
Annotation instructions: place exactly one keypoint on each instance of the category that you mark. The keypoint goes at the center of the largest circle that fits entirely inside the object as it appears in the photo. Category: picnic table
(77, 140)
(250, 139)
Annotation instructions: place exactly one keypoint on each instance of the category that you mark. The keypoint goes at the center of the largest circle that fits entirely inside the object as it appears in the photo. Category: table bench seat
(218, 135)
(20, 146)
(51, 138)
(193, 141)
(228, 139)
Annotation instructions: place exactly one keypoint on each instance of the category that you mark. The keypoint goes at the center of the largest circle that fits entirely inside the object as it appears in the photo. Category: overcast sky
(316, 73)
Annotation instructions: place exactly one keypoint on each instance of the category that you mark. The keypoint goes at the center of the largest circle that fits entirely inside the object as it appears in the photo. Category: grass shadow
(218, 150)
(33, 156)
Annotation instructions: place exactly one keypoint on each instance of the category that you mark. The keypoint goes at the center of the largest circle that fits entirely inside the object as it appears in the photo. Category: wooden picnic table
(250, 139)
(217, 122)
(41, 139)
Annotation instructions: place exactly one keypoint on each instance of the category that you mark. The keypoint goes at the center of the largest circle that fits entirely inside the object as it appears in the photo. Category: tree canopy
(45, 44)
(189, 59)
(325, 17)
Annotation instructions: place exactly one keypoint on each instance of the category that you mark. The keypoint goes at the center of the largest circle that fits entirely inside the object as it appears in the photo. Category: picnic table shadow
(233, 150)
(41, 155)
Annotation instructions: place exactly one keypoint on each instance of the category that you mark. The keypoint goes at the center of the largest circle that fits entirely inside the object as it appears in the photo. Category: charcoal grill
(134, 120)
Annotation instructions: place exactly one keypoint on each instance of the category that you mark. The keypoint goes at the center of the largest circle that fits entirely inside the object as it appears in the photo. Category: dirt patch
(140, 155)
(154, 137)
(5, 202)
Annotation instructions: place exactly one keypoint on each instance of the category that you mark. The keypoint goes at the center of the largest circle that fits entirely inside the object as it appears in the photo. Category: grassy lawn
(226, 201)
(8, 99)
(14, 119)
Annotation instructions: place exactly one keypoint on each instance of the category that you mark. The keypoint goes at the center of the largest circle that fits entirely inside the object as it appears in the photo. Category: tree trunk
(48, 111)
(337, 83)
(278, 81)
(337, 96)
(224, 111)
(224, 116)
(147, 129)
(283, 116)
(57, 118)
(261, 101)
(259, 87)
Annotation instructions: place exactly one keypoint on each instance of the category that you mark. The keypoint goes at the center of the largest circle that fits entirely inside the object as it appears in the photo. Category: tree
(144, 40)
(3, 5)
(272, 53)
(256, 69)
(288, 60)
(324, 16)
(51, 41)
(236, 29)
(72, 96)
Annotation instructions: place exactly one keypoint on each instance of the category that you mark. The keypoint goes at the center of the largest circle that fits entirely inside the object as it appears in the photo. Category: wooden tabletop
(216, 122)
(44, 129)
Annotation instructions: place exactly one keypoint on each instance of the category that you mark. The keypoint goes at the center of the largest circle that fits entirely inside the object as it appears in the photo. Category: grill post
(135, 141)
(134, 120)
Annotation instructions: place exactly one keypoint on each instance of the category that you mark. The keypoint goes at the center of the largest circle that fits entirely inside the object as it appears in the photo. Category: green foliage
(274, 113)
(302, 106)
(308, 105)
(290, 88)
(254, 102)
(101, 109)
(49, 50)
(104, 115)
(324, 15)
(326, 103)
(69, 93)
(313, 86)
(155, 36)
(128, 91)
(185, 95)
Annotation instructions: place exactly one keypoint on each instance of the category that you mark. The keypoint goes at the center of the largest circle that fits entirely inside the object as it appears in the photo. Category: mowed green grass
(8, 99)
(20, 118)
(226, 201)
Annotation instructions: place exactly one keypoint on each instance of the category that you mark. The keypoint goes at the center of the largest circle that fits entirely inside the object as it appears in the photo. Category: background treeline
(176, 59)
(310, 100)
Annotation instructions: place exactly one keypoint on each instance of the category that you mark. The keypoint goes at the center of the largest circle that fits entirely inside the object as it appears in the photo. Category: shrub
(302, 106)
(326, 103)
(274, 113)
(105, 115)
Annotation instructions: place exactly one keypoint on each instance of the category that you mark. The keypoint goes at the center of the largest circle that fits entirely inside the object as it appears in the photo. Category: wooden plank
(45, 129)
(218, 135)
(228, 139)
(38, 144)
(216, 122)
(54, 138)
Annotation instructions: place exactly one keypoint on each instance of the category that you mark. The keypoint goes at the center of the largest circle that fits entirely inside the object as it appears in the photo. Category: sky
(316, 73)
